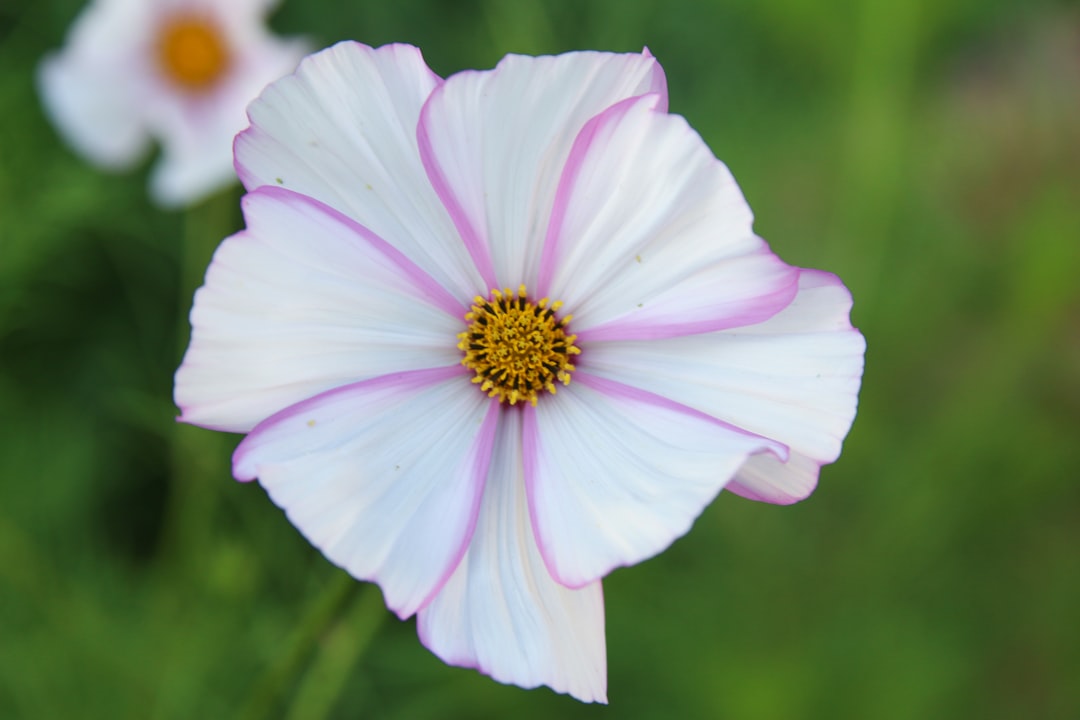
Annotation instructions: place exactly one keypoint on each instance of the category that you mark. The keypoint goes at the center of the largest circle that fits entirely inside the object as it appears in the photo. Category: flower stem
(199, 461)
(321, 613)
(342, 647)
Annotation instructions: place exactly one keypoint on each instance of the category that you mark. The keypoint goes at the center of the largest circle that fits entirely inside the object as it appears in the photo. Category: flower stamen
(192, 52)
(516, 347)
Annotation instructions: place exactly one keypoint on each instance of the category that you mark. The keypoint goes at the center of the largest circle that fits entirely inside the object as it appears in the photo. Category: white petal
(196, 160)
(501, 612)
(384, 476)
(197, 131)
(342, 129)
(794, 378)
(767, 479)
(302, 301)
(495, 142)
(615, 475)
(93, 89)
(651, 237)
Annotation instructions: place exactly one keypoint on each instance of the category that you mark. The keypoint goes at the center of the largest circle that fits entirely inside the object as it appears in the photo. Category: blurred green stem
(886, 43)
(197, 455)
(342, 647)
(343, 642)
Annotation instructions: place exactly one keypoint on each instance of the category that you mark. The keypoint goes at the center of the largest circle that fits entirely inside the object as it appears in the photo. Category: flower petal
(93, 90)
(615, 475)
(794, 378)
(197, 131)
(767, 479)
(196, 160)
(342, 129)
(383, 476)
(650, 236)
(302, 301)
(494, 144)
(501, 612)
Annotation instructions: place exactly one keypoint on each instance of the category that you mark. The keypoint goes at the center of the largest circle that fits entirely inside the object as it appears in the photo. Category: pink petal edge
(530, 433)
(430, 288)
(470, 236)
(583, 143)
(483, 451)
(750, 311)
(409, 381)
(406, 381)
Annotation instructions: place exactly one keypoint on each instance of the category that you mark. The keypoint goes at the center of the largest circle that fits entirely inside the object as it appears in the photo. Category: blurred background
(927, 152)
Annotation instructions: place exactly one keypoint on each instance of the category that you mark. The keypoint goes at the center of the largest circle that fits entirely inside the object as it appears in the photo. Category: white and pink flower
(177, 71)
(383, 333)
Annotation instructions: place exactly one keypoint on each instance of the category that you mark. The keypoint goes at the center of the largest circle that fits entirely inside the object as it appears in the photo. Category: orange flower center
(516, 347)
(192, 52)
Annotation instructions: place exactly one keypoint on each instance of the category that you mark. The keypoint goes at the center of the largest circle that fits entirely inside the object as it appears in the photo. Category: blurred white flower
(177, 71)
(383, 332)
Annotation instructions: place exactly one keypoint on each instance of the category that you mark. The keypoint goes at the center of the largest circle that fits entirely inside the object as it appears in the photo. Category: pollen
(192, 52)
(517, 347)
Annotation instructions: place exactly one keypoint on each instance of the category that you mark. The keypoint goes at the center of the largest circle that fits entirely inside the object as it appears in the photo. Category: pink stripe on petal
(434, 292)
(474, 243)
(501, 612)
(619, 473)
(617, 389)
(530, 451)
(583, 145)
(404, 382)
(483, 448)
(741, 312)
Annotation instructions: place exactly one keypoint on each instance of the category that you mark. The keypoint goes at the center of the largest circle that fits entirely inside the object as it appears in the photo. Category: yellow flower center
(517, 347)
(192, 52)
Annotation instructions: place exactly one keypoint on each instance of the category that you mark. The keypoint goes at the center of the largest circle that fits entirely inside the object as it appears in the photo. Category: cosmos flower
(494, 336)
(178, 71)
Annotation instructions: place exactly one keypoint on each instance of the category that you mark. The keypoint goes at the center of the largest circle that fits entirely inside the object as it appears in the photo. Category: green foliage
(926, 153)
